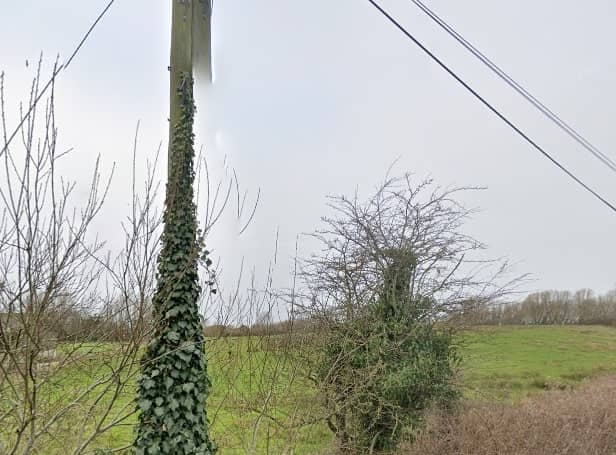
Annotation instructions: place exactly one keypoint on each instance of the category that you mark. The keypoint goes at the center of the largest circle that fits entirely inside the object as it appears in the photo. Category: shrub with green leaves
(173, 383)
(392, 270)
(381, 370)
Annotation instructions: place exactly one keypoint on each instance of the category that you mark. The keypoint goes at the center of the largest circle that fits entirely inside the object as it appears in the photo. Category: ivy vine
(173, 383)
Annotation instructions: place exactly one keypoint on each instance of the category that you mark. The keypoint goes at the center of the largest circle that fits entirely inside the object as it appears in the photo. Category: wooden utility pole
(181, 58)
(173, 385)
(190, 46)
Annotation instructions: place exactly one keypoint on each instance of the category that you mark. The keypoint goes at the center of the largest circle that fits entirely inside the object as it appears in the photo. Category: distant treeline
(257, 329)
(550, 307)
(541, 308)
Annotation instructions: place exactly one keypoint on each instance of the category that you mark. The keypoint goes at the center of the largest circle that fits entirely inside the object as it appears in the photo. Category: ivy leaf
(185, 357)
(173, 404)
(188, 387)
(144, 404)
(171, 420)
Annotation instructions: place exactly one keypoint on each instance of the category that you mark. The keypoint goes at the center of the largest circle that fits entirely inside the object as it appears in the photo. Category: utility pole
(191, 50)
(181, 61)
(173, 385)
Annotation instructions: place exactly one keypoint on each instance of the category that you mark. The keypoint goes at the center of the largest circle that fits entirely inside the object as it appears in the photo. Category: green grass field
(261, 401)
(511, 362)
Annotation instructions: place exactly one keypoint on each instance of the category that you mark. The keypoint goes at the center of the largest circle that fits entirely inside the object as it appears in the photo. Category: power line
(488, 105)
(605, 159)
(54, 75)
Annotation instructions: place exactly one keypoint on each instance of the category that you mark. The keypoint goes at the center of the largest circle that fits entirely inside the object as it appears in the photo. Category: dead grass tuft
(563, 422)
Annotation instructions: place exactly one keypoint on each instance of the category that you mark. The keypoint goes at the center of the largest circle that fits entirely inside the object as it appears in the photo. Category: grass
(261, 401)
(508, 363)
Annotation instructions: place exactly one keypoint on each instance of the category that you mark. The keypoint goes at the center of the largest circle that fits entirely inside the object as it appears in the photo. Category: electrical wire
(54, 75)
(605, 159)
(489, 106)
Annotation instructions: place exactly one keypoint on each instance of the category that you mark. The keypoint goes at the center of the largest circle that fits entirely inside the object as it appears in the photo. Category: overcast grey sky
(317, 97)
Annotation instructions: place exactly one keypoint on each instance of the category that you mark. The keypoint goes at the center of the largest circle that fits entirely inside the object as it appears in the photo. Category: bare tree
(61, 292)
(392, 271)
(73, 315)
(421, 221)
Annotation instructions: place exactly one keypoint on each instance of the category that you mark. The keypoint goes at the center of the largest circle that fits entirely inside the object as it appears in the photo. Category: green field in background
(262, 402)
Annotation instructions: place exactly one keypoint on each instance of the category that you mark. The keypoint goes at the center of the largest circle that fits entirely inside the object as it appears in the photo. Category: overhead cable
(54, 75)
(549, 113)
(489, 105)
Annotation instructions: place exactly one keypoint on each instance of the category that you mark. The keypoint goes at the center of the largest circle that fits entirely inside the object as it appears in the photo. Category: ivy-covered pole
(173, 383)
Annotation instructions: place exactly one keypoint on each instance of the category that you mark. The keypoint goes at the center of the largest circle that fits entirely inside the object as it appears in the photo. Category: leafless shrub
(263, 401)
(392, 271)
(73, 316)
(61, 293)
(401, 216)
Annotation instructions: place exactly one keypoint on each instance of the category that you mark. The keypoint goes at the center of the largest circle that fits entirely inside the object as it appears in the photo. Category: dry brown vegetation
(563, 422)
